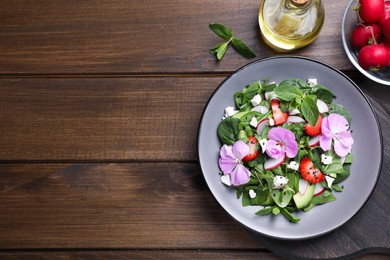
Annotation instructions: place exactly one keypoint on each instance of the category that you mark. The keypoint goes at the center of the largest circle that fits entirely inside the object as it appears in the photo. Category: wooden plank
(116, 37)
(131, 206)
(158, 254)
(102, 118)
(144, 254)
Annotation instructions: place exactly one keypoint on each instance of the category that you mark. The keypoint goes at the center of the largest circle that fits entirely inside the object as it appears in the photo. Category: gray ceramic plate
(367, 149)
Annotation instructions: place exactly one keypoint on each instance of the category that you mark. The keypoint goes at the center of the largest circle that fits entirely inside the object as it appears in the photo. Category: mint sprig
(227, 35)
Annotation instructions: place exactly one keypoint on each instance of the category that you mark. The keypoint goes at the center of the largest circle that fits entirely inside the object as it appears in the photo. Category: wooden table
(100, 103)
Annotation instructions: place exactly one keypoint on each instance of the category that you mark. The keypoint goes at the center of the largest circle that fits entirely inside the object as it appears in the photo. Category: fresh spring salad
(286, 147)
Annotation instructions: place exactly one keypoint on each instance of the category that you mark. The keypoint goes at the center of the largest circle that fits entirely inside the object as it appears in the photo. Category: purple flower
(335, 127)
(281, 142)
(230, 162)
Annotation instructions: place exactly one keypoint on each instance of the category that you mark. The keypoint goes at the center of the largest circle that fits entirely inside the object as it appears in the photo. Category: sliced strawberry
(313, 130)
(309, 172)
(253, 149)
(279, 116)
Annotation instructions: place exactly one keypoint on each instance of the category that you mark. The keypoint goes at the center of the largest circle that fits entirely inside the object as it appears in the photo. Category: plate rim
(310, 59)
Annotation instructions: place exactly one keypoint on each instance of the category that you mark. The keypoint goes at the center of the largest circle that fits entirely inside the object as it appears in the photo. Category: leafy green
(226, 34)
(325, 197)
(322, 93)
(282, 197)
(228, 130)
(309, 109)
(344, 174)
(242, 48)
(264, 211)
(289, 216)
(221, 30)
(335, 167)
(242, 99)
(298, 83)
(288, 92)
(220, 52)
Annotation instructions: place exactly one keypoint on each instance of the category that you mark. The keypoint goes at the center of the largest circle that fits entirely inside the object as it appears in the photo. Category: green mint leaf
(309, 109)
(222, 50)
(322, 93)
(282, 197)
(296, 82)
(288, 92)
(264, 211)
(215, 49)
(334, 168)
(228, 130)
(221, 30)
(242, 48)
(323, 198)
(289, 216)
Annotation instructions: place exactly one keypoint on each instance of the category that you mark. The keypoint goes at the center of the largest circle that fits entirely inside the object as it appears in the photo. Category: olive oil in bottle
(287, 25)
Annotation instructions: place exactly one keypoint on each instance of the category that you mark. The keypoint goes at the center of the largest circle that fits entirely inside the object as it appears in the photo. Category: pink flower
(281, 142)
(230, 162)
(335, 127)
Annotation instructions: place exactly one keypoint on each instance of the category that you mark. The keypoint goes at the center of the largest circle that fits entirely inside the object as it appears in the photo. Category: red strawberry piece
(313, 130)
(253, 149)
(309, 172)
(279, 116)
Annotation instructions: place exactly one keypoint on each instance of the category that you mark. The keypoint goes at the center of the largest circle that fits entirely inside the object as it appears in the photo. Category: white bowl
(349, 23)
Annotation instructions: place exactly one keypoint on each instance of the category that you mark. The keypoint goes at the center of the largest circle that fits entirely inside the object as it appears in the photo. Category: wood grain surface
(140, 36)
(100, 103)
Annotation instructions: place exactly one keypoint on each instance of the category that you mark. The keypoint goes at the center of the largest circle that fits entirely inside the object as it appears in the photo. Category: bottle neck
(296, 6)
(300, 3)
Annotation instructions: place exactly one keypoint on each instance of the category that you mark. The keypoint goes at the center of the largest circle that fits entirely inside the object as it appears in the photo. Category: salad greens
(227, 35)
(285, 147)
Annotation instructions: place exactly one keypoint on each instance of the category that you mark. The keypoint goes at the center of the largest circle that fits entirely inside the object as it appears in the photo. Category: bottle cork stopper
(299, 2)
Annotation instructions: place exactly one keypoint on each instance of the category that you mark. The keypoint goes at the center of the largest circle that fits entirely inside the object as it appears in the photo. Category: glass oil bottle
(287, 25)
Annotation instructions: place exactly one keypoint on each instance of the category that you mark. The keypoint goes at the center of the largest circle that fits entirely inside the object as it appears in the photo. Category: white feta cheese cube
(255, 101)
(254, 122)
(326, 159)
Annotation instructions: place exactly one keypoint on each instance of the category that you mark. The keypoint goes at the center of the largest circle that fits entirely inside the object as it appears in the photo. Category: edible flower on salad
(231, 163)
(281, 142)
(335, 128)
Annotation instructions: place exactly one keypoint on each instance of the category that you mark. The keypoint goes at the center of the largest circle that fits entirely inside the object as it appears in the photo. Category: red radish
(386, 29)
(318, 190)
(371, 11)
(373, 57)
(295, 120)
(386, 43)
(253, 149)
(270, 95)
(302, 186)
(262, 125)
(386, 14)
(322, 106)
(272, 163)
(363, 35)
(260, 109)
(314, 141)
